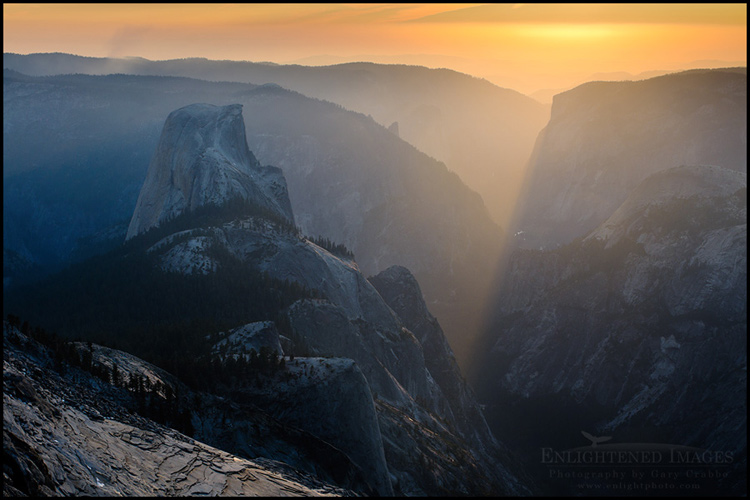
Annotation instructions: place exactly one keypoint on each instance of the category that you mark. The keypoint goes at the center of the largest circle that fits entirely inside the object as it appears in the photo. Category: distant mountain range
(70, 187)
(482, 132)
(545, 95)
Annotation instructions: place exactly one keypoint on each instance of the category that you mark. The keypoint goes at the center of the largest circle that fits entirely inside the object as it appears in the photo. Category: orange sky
(522, 46)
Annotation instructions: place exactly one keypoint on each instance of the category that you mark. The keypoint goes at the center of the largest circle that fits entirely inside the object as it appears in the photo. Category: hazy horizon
(524, 47)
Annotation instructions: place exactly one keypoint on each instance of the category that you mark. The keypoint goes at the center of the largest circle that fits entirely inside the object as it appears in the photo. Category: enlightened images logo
(637, 467)
(634, 454)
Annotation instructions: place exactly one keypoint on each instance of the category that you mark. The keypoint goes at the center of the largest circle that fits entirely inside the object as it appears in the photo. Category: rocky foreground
(66, 435)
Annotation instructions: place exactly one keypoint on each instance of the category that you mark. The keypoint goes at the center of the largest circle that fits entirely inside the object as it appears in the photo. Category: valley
(370, 280)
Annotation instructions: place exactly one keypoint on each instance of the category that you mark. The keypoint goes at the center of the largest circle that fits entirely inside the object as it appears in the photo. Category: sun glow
(526, 47)
(586, 32)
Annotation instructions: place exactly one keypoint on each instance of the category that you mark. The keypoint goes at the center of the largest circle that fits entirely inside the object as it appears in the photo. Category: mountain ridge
(604, 138)
(486, 141)
(374, 368)
(348, 179)
(629, 330)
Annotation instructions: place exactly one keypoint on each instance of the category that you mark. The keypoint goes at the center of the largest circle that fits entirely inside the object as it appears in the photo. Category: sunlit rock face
(202, 158)
(604, 138)
(631, 330)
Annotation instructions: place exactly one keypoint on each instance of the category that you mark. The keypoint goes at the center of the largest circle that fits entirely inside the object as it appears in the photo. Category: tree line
(335, 248)
(157, 401)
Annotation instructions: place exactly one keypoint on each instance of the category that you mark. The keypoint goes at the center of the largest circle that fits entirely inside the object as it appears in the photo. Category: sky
(527, 47)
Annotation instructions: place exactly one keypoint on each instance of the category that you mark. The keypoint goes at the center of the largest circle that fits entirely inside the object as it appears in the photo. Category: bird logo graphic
(594, 439)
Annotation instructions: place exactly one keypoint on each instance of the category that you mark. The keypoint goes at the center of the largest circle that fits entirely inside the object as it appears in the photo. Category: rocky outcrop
(327, 397)
(354, 182)
(479, 130)
(67, 433)
(604, 138)
(353, 321)
(349, 323)
(391, 359)
(430, 449)
(402, 293)
(74, 174)
(330, 399)
(456, 405)
(242, 340)
(629, 331)
(202, 158)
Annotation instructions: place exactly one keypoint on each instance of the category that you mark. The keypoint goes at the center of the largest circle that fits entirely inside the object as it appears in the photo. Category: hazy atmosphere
(375, 249)
(526, 47)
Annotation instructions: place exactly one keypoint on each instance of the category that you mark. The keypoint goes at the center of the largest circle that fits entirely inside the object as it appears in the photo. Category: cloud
(722, 14)
(365, 13)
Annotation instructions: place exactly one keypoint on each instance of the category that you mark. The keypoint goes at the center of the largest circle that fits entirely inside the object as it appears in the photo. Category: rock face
(329, 398)
(629, 331)
(481, 131)
(72, 177)
(401, 292)
(202, 158)
(354, 182)
(253, 336)
(353, 321)
(68, 434)
(604, 138)
(459, 406)
(373, 381)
